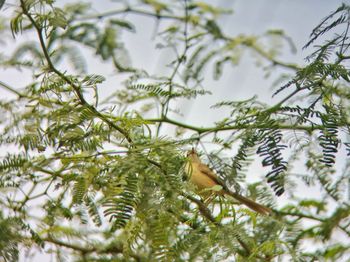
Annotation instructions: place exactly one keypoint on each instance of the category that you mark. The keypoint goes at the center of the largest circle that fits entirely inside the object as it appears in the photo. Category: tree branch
(89, 249)
(302, 215)
(131, 11)
(204, 210)
(66, 79)
(12, 90)
(201, 130)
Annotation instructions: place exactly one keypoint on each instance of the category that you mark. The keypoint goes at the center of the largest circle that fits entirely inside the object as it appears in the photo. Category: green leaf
(123, 24)
(57, 18)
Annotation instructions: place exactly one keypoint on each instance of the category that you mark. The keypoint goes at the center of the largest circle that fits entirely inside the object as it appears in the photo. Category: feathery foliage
(93, 164)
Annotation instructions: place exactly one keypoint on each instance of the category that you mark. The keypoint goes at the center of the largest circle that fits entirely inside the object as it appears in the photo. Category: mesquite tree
(95, 179)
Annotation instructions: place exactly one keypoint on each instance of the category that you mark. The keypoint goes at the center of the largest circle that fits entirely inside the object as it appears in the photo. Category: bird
(205, 179)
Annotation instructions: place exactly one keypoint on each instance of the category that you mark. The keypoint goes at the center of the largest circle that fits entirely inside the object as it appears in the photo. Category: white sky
(296, 18)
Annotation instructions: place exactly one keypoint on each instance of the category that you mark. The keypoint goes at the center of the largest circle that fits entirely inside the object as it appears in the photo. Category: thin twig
(12, 90)
(66, 79)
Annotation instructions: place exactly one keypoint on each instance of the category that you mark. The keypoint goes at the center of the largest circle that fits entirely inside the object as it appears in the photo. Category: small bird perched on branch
(204, 178)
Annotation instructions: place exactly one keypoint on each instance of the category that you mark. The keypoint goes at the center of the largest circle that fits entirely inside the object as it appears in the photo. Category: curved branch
(131, 11)
(88, 249)
(75, 87)
(201, 130)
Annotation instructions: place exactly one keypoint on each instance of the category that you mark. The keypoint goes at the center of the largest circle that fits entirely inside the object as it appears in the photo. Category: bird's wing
(207, 171)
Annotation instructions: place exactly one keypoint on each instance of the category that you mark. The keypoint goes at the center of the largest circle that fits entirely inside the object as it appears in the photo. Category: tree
(101, 180)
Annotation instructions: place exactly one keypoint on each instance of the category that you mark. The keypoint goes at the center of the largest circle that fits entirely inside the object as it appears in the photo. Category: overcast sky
(296, 18)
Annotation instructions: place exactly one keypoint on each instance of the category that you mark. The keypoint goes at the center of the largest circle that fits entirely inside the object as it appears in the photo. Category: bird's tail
(251, 204)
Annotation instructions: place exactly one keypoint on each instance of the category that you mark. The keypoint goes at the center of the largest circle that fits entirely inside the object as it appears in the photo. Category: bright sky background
(296, 18)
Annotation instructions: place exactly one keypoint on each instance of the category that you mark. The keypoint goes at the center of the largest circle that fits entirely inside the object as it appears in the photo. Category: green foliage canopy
(97, 180)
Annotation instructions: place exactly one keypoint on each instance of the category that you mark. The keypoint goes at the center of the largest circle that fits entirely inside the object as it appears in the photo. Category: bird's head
(191, 152)
(192, 155)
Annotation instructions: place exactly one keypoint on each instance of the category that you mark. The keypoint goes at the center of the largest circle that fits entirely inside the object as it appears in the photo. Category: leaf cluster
(109, 177)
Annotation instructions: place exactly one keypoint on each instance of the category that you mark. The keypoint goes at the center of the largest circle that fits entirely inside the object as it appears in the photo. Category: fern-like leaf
(271, 150)
(329, 137)
(120, 208)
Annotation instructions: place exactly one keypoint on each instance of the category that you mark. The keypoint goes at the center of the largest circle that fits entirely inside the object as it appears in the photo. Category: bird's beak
(191, 152)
